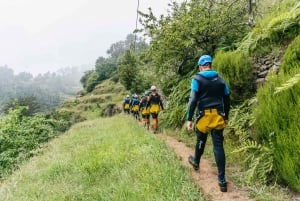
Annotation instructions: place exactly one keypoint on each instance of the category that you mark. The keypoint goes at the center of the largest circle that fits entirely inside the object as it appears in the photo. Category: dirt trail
(206, 177)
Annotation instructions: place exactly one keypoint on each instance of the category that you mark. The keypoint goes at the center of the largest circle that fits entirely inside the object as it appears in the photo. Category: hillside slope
(102, 159)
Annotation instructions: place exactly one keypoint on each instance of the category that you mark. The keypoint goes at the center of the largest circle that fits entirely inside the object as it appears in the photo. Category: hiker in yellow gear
(145, 110)
(155, 104)
(135, 106)
(210, 94)
(126, 104)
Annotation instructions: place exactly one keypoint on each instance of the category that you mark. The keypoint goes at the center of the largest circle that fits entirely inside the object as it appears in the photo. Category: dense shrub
(61, 120)
(291, 59)
(237, 70)
(21, 135)
(278, 113)
(277, 27)
(176, 109)
(92, 81)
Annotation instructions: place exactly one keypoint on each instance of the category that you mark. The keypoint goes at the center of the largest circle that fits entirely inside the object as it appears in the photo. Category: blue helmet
(204, 59)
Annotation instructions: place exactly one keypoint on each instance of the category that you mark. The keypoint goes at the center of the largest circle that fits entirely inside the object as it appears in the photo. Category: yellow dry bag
(154, 109)
(211, 119)
(126, 106)
(135, 108)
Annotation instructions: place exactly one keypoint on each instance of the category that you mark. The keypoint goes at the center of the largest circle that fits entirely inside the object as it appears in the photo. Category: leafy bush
(20, 135)
(237, 70)
(92, 81)
(61, 120)
(31, 102)
(175, 114)
(278, 113)
(258, 157)
(291, 58)
(278, 26)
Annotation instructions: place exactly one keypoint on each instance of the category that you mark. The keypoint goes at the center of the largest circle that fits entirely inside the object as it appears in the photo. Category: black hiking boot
(223, 186)
(192, 162)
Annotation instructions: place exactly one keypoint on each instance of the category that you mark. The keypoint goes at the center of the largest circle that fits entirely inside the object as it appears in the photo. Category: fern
(271, 30)
(259, 160)
(288, 84)
(242, 119)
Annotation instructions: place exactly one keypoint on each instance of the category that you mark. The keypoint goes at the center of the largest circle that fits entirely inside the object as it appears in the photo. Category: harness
(135, 105)
(143, 106)
(210, 104)
(154, 101)
(210, 92)
(127, 103)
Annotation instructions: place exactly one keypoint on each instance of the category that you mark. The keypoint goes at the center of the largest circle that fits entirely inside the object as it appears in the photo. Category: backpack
(154, 103)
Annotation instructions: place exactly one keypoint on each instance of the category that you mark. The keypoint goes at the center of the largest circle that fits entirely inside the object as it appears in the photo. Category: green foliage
(85, 77)
(115, 77)
(278, 113)
(128, 69)
(189, 30)
(258, 159)
(291, 58)
(105, 67)
(92, 81)
(31, 102)
(21, 135)
(105, 100)
(288, 84)
(132, 42)
(277, 27)
(237, 70)
(61, 120)
(270, 143)
(241, 120)
(90, 164)
(175, 114)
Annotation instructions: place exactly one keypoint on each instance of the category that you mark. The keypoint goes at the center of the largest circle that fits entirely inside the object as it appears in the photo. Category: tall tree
(128, 69)
(189, 30)
(105, 67)
(118, 49)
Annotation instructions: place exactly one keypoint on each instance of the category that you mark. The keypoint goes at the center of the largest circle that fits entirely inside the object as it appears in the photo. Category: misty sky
(43, 35)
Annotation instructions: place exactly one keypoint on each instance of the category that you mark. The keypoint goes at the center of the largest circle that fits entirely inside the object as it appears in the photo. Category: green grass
(93, 105)
(103, 159)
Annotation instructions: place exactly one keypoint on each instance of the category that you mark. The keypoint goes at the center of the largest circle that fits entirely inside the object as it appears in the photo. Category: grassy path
(103, 159)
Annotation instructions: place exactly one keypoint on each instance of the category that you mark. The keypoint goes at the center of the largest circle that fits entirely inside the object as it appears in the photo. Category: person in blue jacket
(135, 106)
(126, 104)
(210, 95)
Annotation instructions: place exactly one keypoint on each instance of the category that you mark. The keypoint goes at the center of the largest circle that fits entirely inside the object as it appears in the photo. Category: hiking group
(150, 104)
(210, 95)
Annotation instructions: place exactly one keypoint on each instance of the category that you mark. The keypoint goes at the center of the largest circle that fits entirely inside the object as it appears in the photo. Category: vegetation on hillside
(204, 27)
(90, 164)
(277, 115)
(263, 121)
(21, 136)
